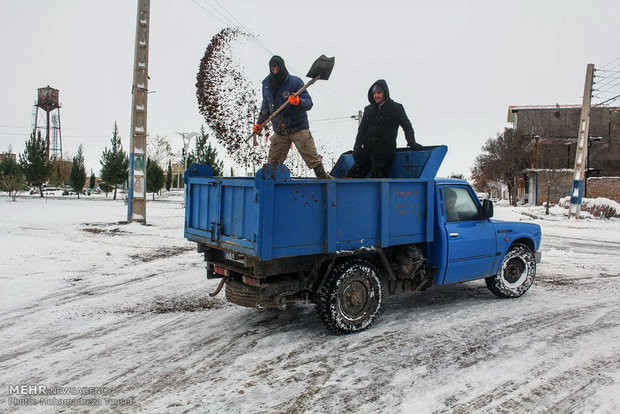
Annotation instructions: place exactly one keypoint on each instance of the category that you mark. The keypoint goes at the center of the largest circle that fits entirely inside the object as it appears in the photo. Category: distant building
(10, 155)
(553, 132)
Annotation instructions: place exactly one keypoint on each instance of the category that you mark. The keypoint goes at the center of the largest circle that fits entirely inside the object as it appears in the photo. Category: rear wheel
(351, 297)
(516, 274)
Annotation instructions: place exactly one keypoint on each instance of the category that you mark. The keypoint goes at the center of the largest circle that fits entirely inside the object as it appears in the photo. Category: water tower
(47, 101)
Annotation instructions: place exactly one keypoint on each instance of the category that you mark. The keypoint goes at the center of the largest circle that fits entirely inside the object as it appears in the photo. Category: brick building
(553, 131)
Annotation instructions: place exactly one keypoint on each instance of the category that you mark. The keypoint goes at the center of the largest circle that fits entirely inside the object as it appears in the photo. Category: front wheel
(516, 274)
(351, 297)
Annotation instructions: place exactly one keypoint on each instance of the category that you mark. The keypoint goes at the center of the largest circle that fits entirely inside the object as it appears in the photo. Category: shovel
(320, 69)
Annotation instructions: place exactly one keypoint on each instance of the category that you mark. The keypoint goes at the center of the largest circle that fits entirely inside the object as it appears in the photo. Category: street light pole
(187, 137)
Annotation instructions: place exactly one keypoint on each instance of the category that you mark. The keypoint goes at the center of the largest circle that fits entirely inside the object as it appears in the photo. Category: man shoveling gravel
(291, 124)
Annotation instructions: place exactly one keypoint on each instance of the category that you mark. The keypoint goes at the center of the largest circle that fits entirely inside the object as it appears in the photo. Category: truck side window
(459, 205)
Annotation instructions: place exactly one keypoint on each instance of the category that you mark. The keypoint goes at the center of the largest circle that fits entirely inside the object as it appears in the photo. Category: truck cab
(470, 245)
(345, 244)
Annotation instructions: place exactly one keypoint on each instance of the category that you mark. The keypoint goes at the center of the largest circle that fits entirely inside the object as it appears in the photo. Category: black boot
(320, 173)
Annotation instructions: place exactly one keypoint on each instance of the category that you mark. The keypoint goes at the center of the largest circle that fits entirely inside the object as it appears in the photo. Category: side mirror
(487, 209)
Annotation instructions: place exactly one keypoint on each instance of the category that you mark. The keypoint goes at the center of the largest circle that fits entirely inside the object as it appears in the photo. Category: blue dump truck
(345, 244)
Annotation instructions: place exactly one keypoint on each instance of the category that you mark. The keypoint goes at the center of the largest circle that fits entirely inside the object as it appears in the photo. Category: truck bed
(274, 216)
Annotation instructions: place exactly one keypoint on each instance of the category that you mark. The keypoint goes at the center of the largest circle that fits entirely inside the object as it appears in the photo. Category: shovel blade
(322, 67)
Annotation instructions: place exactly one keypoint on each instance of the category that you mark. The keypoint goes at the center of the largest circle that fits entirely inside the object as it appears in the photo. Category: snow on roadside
(88, 301)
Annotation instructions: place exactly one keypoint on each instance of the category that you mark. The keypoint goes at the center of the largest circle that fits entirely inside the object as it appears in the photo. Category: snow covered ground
(88, 302)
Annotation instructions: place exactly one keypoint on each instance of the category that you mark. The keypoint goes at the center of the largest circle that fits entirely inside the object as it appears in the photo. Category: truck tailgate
(223, 212)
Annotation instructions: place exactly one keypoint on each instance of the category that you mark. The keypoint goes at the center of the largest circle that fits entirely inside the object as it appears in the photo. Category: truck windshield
(459, 204)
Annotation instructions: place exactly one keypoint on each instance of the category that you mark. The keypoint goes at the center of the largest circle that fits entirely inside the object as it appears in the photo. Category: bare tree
(503, 160)
(481, 182)
(159, 149)
(553, 161)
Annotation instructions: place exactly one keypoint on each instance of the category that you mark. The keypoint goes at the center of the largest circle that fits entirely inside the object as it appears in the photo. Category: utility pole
(579, 176)
(358, 117)
(136, 196)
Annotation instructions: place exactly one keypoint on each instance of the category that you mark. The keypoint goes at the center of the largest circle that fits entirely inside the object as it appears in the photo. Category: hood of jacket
(383, 85)
(280, 77)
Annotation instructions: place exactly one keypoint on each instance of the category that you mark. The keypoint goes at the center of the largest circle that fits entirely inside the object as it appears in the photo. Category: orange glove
(257, 128)
(293, 100)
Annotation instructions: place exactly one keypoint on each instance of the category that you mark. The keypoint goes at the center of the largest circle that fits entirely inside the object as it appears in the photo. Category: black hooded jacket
(380, 122)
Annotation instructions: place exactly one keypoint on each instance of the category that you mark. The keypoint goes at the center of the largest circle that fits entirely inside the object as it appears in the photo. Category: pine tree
(9, 165)
(105, 187)
(114, 162)
(205, 154)
(77, 178)
(35, 163)
(169, 176)
(154, 177)
(55, 178)
(93, 181)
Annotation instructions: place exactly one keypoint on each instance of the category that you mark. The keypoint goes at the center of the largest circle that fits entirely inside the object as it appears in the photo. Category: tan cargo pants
(280, 144)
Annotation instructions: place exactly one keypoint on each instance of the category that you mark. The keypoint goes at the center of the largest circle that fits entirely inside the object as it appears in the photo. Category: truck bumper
(537, 256)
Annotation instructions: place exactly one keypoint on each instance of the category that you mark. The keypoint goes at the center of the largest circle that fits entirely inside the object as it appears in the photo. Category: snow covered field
(88, 302)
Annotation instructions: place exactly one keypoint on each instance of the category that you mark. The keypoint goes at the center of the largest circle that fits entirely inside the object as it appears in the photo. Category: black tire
(351, 297)
(515, 275)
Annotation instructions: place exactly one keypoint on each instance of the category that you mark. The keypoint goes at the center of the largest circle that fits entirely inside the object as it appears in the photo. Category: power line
(610, 92)
(231, 15)
(342, 100)
(608, 87)
(224, 22)
(607, 101)
(609, 63)
(612, 68)
(29, 128)
(229, 22)
(333, 120)
(607, 91)
(233, 21)
(607, 82)
(606, 71)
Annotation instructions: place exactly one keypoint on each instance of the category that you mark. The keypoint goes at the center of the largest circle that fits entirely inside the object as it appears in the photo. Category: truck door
(471, 239)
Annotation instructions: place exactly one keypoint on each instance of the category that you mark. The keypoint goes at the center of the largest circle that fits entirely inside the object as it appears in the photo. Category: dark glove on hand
(416, 147)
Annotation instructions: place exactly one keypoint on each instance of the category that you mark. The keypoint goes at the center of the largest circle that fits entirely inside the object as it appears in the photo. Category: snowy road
(87, 302)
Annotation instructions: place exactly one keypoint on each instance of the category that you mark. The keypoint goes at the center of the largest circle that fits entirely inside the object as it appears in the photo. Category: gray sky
(456, 66)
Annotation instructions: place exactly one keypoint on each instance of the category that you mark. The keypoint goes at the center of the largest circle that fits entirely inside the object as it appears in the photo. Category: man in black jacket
(375, 143)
